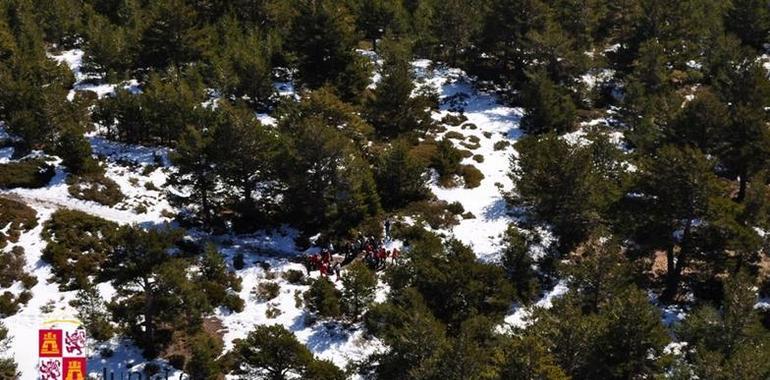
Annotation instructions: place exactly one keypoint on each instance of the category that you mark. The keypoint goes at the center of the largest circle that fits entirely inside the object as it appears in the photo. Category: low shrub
(454, 120)
(472, 176)
(30, 173)
(454, 135)
(435, 214)
(455, 208)
(323, 299)
(478, 158)
(78, 245)
(11, 267)
(294, 277)
(15, 218)
(267, 290)
(96, 188)
(502, 144)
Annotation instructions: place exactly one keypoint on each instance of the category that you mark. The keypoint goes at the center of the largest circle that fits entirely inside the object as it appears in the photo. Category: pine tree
(417, 340)
(517, 262)
(400, 177)
(546, 107)
(246, 154)
(220, 286)
(196, 171)
(323, 38)
(571, 187)
(681, 187)
(376, 18)
(728, 342)
(744, 144)
(323, 299)
(172, 38)
(8, 368)
(92, 311)
(271, 352)
(750, 21)
(203, 364)
(393, 110)
(330, 185)
(358, 286)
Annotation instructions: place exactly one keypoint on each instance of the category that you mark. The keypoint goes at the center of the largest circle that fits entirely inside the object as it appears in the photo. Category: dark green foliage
(159, 115)
(517, 262)
(323, 38)
(392, 109)
(330, 185)
(273, 353)
(547, 108)
(92, 311)
(455, 286)
(400, 177)
(18, 217)
(194, 158)
(358, 285)
(220, 286)
(95, 187)
(323, 299)
(28, 173)
(613, 343)
(682, 194)
(203, 364)
(172, 36)
(446, 161)
(750, 21)
(416, 338)
(246, 155)
(567, 186)
(241, 65)
(78, 246)
(8, 369)
(728, 342)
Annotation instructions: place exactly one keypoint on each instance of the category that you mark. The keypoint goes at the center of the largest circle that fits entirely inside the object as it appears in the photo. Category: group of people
(330, 261)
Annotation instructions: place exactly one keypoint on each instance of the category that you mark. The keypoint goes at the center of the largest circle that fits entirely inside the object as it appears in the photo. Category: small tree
(400, 177)
(517, 262)
(92, 311)
(203, 364)
(546, 107)
(359, 283)
(271, 352)
(8, 369)
(323, 299)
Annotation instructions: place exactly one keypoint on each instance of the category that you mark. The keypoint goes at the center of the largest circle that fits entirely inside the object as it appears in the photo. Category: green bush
(478, 158)
(454, 120)
(30, 173)
(454, 135)
(502, 144)
(267, 290)
(96, 188)
(294, 277)
(435, 214)
(15, 218)
(11, 267)
(323, 299)
(78, 245)
(472, 176)
(455, 208)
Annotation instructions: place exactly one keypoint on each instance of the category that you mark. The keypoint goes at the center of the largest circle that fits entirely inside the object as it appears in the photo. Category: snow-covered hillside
(142, 172)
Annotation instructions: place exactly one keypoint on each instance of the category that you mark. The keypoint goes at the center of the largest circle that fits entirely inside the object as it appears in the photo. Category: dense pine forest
(388, 189)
